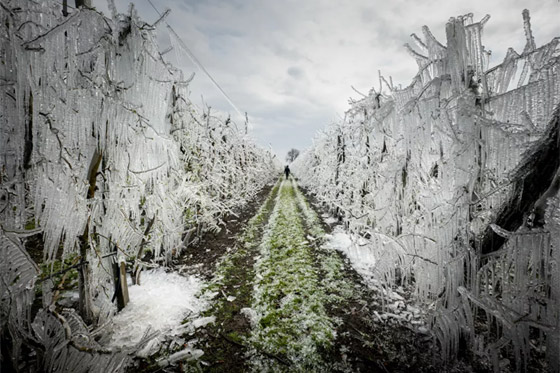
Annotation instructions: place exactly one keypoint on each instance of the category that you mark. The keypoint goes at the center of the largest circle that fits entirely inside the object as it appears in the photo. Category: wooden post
(121, 286)
(84, 276)
(137, 269)
(84, 280)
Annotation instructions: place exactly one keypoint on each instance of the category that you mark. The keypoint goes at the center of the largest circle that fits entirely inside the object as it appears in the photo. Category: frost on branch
(103, 158)
(441, 176)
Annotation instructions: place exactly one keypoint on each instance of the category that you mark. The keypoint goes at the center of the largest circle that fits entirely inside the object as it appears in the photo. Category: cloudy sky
(291, 63)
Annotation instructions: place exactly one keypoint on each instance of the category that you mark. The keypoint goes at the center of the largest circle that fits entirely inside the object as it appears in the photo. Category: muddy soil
(204, 255)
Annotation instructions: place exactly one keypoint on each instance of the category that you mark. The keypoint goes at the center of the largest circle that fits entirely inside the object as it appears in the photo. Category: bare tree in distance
(292, 155)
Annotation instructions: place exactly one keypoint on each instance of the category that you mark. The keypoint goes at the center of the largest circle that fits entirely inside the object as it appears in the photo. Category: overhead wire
(196, 61)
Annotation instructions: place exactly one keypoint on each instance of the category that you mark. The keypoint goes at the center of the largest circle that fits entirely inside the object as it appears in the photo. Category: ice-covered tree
(439, 179)
(103, 157)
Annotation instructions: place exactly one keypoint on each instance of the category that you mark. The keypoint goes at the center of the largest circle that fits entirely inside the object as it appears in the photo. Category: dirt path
(283, 302)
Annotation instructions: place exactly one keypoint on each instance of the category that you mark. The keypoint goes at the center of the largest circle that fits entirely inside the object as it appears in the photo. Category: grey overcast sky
(291, 63)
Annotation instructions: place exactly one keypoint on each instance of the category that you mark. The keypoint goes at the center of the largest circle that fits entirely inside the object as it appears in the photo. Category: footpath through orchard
(284, 301)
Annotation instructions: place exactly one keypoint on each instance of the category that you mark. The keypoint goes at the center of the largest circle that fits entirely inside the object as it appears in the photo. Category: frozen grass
(332, 266)
(311, 219)
(160, 304)
(249, 240)
(292, 323)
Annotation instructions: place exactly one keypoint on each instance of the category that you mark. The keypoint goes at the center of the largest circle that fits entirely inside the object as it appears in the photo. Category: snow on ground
(160, 304)
(363, 261)
(330, 220)
(361, 257)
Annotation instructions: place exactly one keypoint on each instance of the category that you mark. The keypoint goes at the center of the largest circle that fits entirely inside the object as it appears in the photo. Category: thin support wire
(197, 62)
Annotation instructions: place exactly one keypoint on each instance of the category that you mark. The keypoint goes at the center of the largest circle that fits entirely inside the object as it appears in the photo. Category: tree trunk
(137, 268)
(85, 300)
(532, 179)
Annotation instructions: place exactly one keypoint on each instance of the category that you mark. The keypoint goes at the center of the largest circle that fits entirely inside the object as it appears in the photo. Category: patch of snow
(251, 315)
(360, 257)
(396, 295)
(68, 298)
(330, 220)
(363, 261)
(160, 304)
(340, 240)
(287, 299)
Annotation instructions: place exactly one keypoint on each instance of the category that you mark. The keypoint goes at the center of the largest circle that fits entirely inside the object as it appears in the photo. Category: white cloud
(290, 63)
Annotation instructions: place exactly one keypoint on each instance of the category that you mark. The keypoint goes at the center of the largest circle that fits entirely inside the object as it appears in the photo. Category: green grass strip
(331, 264)
(292, 322)
(248, 241)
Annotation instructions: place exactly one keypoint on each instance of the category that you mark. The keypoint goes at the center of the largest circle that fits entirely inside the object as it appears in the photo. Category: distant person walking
(287, 171)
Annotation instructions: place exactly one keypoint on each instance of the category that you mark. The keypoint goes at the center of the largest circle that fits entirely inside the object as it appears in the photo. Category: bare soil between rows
(214, 245)
(368, 346)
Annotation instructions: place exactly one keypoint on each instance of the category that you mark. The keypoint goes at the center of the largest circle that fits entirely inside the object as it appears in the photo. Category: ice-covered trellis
(441, 178)
(105, 157)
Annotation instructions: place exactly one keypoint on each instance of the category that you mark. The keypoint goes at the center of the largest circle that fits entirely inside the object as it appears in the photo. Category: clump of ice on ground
(161, 303)
(360, 257)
